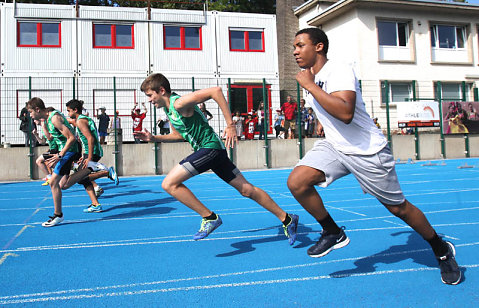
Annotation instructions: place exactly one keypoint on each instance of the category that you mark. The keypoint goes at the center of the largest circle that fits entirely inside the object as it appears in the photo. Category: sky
(473, 1)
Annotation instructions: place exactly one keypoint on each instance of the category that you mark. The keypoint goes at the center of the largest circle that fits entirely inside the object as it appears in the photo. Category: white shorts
(375, 173)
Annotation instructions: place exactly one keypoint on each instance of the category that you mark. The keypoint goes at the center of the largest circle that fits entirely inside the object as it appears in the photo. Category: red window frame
(182, 38)
(250, 103)
(113, 37)
(39, 35)
(246, 41)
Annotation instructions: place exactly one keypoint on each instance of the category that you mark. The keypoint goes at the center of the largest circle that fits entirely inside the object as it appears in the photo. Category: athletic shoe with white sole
(328, 242)
(450, 272)
(95, 166)
(98, 191)
(53, 221)
(207, 226)
(113, 176)
(93, 209)
(290, 229)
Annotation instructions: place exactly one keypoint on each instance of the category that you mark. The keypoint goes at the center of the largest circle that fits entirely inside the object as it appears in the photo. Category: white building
(58, 52)
(412, 44)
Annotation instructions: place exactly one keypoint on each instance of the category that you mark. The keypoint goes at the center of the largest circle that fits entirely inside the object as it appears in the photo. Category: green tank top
(194, 129)
(52, 145)
(97, 150)
(58, 138)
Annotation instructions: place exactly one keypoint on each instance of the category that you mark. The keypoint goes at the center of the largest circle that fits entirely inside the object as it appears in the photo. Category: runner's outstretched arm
(185, 104)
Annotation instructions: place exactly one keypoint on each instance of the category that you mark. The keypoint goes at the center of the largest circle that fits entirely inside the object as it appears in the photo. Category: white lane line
(241, 273)
(219, 211)
(221, 286)
(177, 239)
(347, 211)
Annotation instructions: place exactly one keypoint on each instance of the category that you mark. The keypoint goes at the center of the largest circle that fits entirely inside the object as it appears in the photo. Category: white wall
(52, 61)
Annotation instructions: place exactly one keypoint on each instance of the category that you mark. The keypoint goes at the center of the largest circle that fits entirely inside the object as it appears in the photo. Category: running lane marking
(220, 286)
(5, 256)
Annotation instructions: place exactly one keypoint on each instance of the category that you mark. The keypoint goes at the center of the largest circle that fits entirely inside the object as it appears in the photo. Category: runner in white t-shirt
(353, 144)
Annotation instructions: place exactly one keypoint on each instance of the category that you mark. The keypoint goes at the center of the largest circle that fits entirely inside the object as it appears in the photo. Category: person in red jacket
(138, 119)
(250, 125)
(289, 110)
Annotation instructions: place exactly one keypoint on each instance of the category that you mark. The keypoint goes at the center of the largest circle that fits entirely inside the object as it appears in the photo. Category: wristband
(59, 156)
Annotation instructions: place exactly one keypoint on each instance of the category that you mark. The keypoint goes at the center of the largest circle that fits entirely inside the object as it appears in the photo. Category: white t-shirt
(361, 136)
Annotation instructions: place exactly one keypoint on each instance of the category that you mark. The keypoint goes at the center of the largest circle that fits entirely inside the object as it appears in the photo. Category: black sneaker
(450, 272)
(327, 243)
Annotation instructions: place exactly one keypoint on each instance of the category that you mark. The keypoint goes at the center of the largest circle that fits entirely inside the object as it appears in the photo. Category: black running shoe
(450, 272)
(328, 242)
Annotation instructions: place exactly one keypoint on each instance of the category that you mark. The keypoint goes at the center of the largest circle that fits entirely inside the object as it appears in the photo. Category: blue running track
(139, 252)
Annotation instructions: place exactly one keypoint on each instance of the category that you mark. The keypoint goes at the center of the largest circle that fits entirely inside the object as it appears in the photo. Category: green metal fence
(118, 94)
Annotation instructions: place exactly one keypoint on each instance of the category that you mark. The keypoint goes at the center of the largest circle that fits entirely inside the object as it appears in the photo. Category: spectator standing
(310, 119)
(238, 122)
(26, 125)
(116, 125)
(164, 123)
(303, 111)
(205, 112)
(278, 124)
(138, 119)
(250, 125)
(103, 119)
(260, 117)
(289, 110)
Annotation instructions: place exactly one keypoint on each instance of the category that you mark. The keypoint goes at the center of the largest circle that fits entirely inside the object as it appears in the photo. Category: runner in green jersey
(188, 122)
(88, 136)
(63, 136)
(52, 149)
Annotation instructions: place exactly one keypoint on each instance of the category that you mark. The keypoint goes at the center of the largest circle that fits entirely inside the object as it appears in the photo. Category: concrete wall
(139, 159)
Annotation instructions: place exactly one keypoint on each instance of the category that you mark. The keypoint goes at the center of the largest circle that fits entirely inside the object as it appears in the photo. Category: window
(398, 92)
(391, 33)
(38, 34)
(188, 38)
(247, 40)
(113, 36)
(443, 36)
(452, 91)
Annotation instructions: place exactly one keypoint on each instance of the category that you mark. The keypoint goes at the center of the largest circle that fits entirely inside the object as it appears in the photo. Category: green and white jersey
(194, 129)
(58, 138)
(97, 150)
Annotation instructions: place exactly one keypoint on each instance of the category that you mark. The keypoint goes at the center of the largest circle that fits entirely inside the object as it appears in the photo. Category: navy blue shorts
(65, 164)
(216, 160)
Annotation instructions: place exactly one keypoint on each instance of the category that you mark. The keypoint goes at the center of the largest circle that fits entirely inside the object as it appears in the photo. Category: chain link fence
(119, 95)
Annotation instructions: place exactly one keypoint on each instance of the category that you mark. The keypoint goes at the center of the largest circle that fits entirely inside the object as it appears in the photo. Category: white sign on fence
(418, 114)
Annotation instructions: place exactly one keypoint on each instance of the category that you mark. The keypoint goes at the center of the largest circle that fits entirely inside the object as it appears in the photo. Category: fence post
(298, 120)
(155, 144)
(416, 131)
(229, 104)
(115, 129)
(265, 123)
(388, 120)
(466, 135)
(439, 98)
(74, 87)
(193, 84)
(30, 127)
(476, 94)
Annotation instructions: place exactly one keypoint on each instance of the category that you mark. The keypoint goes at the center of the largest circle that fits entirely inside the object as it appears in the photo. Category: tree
(245, 6)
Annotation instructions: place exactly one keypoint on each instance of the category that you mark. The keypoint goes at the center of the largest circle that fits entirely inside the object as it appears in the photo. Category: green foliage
(245, 6)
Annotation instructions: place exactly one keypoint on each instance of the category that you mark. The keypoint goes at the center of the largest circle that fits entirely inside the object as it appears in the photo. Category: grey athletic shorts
(375, 173)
